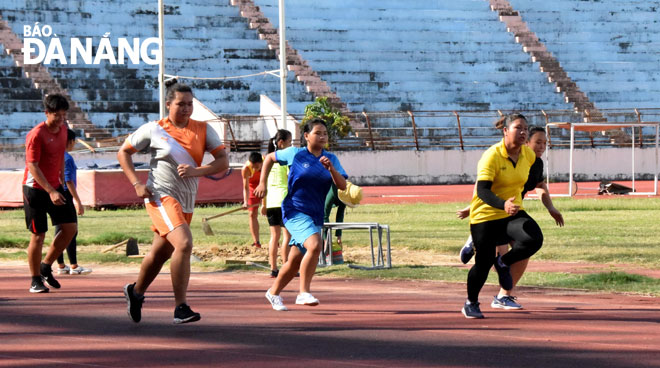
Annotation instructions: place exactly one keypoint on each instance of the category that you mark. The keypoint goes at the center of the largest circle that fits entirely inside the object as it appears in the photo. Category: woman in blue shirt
(312, 170)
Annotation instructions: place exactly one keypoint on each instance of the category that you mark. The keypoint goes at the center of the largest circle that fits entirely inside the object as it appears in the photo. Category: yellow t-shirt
(508, 180)
(277, 185)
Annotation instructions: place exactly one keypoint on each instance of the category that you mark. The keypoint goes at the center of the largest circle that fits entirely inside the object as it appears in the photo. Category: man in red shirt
(43, 193)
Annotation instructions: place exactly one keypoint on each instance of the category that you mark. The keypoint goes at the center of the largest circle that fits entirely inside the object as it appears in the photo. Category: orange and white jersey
(171, 146)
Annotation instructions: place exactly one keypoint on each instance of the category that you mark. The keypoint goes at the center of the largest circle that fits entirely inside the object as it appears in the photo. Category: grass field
(612, 231)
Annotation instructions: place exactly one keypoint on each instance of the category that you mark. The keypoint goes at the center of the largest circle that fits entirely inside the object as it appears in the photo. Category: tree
(338, 125)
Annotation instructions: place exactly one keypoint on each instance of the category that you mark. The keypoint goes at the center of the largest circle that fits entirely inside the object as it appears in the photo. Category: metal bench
(378, 257)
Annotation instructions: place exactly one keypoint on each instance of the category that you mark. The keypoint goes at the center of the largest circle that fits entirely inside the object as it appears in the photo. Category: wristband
(136, 183)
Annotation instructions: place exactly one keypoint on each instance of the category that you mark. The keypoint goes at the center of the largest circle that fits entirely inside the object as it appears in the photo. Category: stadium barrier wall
(420, 167)
(459, 167)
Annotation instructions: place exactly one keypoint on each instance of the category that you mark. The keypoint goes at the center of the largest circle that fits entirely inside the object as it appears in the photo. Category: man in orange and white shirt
(177, 145)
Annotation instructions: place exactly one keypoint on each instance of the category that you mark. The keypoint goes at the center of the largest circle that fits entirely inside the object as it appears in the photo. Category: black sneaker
(467, 252)
(274, 273)
(134, 308)
(183, 314)
(47, 274)
(472, 310)
(504, 274)
(38, 286)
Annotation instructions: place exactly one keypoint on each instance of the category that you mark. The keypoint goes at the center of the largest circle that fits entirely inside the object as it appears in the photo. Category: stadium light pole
(161, 65)
(282, 64)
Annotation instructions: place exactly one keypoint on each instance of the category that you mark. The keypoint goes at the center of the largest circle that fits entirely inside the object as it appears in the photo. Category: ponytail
(281, 135)
(506, 120)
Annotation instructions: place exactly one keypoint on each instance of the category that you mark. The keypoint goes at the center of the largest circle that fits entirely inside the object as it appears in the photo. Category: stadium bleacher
(611, 49)
(382, 55)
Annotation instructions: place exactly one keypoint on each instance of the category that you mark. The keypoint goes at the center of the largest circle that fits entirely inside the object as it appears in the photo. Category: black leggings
(521, 228)
(70, 249)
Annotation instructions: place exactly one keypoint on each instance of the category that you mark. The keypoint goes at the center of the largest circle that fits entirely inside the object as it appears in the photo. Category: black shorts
(37, 203)
(274, 216)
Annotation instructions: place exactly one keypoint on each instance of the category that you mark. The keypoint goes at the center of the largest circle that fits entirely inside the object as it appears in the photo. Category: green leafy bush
(338, 125)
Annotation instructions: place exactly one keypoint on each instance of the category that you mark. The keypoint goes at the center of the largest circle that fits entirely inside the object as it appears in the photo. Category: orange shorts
(166, 215)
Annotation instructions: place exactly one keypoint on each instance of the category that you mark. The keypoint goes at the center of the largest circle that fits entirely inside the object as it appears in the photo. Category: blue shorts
(301, 227)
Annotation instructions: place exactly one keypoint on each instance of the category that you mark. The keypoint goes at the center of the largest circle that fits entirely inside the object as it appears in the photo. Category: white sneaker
(307, 299)
(63, 271)
(80, 270)
(276, 301)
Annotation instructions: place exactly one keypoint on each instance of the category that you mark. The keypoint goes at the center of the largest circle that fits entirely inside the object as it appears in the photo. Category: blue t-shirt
(69, 170)
(309, 182)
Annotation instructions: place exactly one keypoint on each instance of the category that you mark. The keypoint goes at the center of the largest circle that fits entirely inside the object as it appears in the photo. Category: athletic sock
(36, 279)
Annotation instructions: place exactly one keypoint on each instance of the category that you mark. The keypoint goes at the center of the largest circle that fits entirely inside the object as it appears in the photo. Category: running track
(359, 323)
(463, 193)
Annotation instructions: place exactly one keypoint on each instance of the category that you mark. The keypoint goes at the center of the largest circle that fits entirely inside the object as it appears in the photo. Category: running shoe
(134, 303)
(63, 270)
(467, 252)
(471, 310)
(183, 314)
(38, 286)
(505, 302)
(80, 270)
(47, 274)
(257, 245)
(274, 273)
(276, 301)
(504, 274)
(307, 299)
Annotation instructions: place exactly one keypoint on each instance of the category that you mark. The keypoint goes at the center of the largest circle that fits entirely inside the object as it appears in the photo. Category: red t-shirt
(47, 149)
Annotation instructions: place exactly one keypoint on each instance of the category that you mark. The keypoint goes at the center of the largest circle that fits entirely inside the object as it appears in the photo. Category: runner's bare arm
(220, 163)
(339, 180)
(56, 197)
(260, 190)
(543, 193)
(245, 176)
(124, 156)
(76, 199)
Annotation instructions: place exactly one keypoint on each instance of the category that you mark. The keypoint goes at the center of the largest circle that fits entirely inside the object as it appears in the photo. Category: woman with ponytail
(272, 208)
(496, 212)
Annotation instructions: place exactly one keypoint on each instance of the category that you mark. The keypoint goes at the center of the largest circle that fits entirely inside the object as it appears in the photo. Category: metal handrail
(371, 135)
(412, 117)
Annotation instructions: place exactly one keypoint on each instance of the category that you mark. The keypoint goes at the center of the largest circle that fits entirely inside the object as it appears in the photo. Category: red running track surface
(463, 193)
(359, 323)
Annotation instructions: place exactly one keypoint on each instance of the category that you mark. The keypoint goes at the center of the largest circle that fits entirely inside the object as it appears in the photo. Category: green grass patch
(603, 281)
(13, 242)
(605, 231)
(111, 237)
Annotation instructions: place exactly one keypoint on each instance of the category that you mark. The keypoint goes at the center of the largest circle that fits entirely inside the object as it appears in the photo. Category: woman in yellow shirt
(496, 212)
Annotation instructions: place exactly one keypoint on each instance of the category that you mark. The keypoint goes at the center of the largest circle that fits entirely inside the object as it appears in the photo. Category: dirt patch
(362, 255)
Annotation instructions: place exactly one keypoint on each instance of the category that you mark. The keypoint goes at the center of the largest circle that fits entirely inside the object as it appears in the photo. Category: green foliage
(338, 125)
